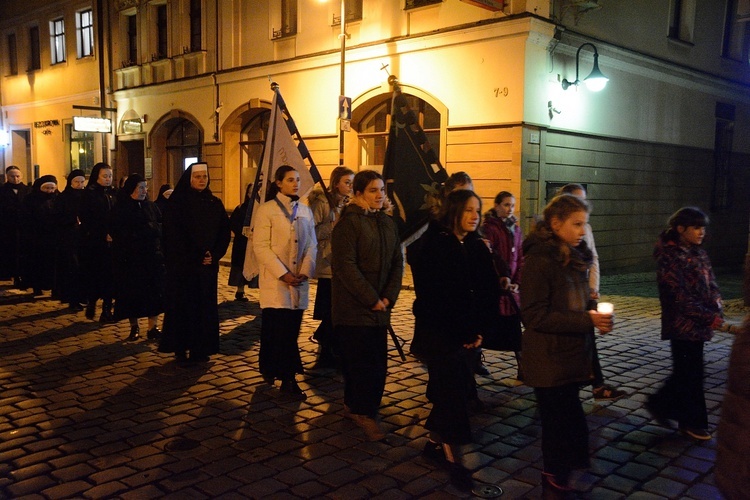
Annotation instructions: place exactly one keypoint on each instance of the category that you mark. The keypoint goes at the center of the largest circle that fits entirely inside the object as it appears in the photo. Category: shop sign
(92, 124)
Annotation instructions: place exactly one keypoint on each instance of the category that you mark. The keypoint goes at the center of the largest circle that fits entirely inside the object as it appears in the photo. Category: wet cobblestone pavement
(84, 414)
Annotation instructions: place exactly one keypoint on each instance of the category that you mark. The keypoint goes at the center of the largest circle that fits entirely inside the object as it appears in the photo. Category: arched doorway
(176, 141)
(372, 121)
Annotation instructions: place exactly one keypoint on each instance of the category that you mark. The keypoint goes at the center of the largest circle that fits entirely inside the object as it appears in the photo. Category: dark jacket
(236, 223)
(11, 222)
(137, 259)
(458, 294)
(733, 446)
(689, 295)
(367, 265)
(67, 208)
(39, 237)
(558, 340)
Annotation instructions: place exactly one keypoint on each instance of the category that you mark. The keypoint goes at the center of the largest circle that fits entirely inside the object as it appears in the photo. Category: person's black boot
(134, 333)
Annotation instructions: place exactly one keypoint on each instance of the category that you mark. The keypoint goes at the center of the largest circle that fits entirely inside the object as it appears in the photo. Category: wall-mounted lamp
(596, 81)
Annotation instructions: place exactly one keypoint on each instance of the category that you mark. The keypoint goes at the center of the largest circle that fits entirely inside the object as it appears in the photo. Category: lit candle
(605, 307)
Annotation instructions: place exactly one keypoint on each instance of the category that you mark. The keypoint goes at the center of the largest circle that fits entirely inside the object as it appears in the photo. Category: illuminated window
(57, 40)
(85, 33)
(183, 142)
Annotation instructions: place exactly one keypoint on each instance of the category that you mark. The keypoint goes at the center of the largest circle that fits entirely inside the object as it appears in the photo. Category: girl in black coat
(137, 257)
(67, 208)
(40, 235)
(196, 236)
(96, 241)
(456, 305)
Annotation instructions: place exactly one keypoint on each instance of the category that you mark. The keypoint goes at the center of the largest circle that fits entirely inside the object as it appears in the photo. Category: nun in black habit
(96, 241)
(196, 236)
(67, 208)
(137, 257)
(39, 234)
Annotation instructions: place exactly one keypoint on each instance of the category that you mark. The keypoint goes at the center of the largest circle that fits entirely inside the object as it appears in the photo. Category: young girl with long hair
(285, 246)
(558, 340)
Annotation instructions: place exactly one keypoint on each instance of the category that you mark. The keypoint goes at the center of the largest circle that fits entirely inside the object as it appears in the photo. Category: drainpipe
(100, 57)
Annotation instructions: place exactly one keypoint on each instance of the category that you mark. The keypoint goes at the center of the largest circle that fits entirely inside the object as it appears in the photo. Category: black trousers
(681, 397)
(364, 363)
(565, 435)
(448, 389)
(279, 353)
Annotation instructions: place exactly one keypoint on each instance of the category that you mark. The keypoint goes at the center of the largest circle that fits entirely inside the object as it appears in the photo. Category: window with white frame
(682, 20)
(737, 32)
(85, 33)
(283, 18)
(57, 40)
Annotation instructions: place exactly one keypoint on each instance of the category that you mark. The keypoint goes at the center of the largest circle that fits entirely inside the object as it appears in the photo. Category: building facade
(190, 79)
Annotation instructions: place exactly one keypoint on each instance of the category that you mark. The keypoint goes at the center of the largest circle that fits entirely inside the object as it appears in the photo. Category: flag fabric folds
(412, 171)
(280, 149)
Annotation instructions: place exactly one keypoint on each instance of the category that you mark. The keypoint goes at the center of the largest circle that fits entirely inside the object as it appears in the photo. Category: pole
(342, 36)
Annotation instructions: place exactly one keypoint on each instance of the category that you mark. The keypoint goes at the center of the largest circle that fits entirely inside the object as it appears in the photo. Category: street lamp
(596, 80)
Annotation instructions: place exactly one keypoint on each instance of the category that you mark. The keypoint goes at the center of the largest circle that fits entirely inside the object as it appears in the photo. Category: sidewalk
(85, 415)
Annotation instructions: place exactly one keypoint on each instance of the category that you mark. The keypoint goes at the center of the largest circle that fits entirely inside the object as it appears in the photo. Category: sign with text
(92, 124)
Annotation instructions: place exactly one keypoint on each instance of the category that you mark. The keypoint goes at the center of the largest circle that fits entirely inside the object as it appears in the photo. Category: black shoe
(291, 388)
(268, 379)
(134, 333)
(153, 334)
(476, 405)
(75, 307)
(434, 453)
(482, 370)
(199, 358)
(460, 477)
(90, 310)
(240, 297)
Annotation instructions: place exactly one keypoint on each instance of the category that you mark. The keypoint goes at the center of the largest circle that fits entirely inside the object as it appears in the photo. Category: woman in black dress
(67, 208)
(39, 234)
(239, 248)
(96, 241)
(137, 257)
(196, 236)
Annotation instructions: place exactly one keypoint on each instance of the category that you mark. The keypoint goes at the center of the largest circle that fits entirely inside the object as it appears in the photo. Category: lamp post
(342, 37)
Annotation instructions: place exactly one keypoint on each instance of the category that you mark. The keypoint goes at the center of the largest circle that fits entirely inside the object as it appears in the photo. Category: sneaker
(434, 453)
(608, 393)
(696, 433)
(370, 426)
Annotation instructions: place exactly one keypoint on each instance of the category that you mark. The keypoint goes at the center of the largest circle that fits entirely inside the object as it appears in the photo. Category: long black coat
(39, 238)
(458, 290)
(96, 252)
(137, 258)
(194, 223)
(66, 209)
(11, 221)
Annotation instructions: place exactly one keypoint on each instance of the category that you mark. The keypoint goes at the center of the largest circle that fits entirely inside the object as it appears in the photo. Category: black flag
(412, 171)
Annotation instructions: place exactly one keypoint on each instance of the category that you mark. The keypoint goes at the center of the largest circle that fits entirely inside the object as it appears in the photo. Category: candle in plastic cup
(605, 307)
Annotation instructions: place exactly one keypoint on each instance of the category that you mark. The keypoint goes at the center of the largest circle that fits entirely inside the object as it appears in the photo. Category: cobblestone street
(84, 414)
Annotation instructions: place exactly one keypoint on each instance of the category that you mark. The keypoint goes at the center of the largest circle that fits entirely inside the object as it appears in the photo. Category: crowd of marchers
(478, 282)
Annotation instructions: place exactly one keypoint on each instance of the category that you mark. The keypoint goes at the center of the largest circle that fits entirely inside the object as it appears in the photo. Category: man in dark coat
(196, 237)
(12, 194)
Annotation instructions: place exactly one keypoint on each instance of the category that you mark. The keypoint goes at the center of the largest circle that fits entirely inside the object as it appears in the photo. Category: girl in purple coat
(690, 311)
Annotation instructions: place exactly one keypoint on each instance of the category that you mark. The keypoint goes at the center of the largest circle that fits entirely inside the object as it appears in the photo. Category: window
(353, 9)
(196, 21)
(183, 142)
(162, 41)
(252, 140)
(285, 18)
(12, 54)
(736, 34)
(81, 149)
(722, 188)
(374, 127)
(35, 58)
(85, 33)
(57, 40)
(132, 40)
(413, 4)
(682, 20)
